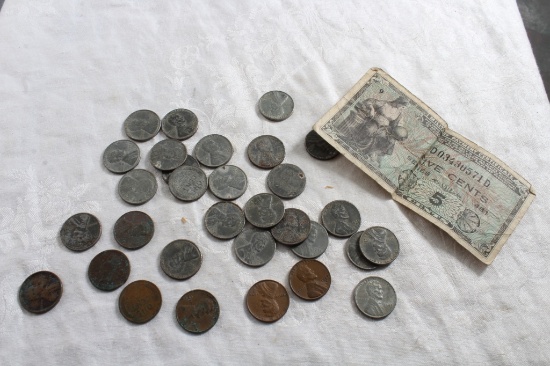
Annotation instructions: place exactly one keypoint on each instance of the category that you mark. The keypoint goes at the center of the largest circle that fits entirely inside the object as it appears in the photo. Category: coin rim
(141, 202)
(254, 315)
(252, 221)
(361, 310)
(94, 241)
(173, 111)
(125, 123)
(275, 119)
(208, 294)
(155, 287)
(323, 218)
(105, 251)
(222, 237)
(124, 171)
(49, 307)
(162, 260)
(392, 258)
(281, 166)
(187, 167)
(292, 287)
(265, 167)
(232, 197)
(320, 157)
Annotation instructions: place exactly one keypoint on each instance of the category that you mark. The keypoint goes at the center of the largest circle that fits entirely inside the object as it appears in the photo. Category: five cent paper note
(407, 148)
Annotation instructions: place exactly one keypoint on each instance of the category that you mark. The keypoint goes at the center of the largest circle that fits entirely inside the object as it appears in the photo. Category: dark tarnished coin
(142, 125)
(341, 218)
(293, 229)
(319, 148)
(213, 150)
(80, 232)
(180, 124)
(224, 220)
(286, 181)
(181, 259)
(40, 292)
(309, 279)
(266, 151)
(140, 301)
(315, 244)
(134, 230)
(189, 161)
(227, 182)
(121, 156)
(137, 187)
(375, 297)
(276, 105)
(188, 183)
(197, 311)
(168, 154)
(354, 253)
(264, 210)
(254, 247)
(267, 301)
(109, 270)
(379, 245)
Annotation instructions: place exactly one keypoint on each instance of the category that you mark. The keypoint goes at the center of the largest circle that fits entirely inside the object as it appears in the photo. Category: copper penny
(309, 279)
(40, 292)
(109, 270)
(293, 228)
(267, 301)
(140, 301)
(197, 311)
(134, 230)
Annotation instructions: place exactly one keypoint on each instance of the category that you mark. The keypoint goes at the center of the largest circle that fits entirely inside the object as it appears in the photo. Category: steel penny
(140, 301)
(276, 105)
(354, 253)
(309, 279)
(267, 301)
(341, 218)
(227, 182)
(168, 154)
(40, 292)
(315, 244)
(121, 156)
(180, 124)
(213, 150)
(254, 247)
(319, 148)
(266, 151)
(293, 229)
(224, 220)
(109, 270)
(188, 183)
(375, 297)
(80, 232)
(264, 210)
(379, 245)
(137, 187)
(142, 125)
(181, 259)
(197, 311)
(286, 181)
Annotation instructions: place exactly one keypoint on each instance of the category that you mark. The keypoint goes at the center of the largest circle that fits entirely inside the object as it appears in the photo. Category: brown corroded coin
(109, 270)
(293, 228)
(309, 279)
(40, 292)
(134, 230)
(140, 301)
(267, 301)
(197, 311)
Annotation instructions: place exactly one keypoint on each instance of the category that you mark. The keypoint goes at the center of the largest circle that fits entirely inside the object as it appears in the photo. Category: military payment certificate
(407, 148)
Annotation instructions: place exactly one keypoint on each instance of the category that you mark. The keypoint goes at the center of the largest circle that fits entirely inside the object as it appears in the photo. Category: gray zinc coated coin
(168, 154)
(224, 220)
(181, 259)
(293, 229)
(254, 247)
(180, 124)
(375, 297)
(80, 232)
(319, 148)
(142, 125)
(276, 105)
(213, 150)
(264, 210)
(341, 218)
(121, 156)
(286, 181)
(266, 151)
(354, 253)
(227, 182)
(137, 187)
(188, 183)
(189, 161)
(315, 244)
(379, 245)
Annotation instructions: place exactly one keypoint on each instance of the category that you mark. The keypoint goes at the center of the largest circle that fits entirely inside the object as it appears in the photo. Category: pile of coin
(255, 245)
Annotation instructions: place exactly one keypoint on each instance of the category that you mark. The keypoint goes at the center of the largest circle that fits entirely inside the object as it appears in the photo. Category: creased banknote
(407, 148)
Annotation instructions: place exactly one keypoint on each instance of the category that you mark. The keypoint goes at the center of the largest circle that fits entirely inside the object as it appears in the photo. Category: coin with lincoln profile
(140, 301)
(267, 301)
(309, 279)
(181, 259)
(379, 245)
(197, 311)
(375, 297)
(264, 210)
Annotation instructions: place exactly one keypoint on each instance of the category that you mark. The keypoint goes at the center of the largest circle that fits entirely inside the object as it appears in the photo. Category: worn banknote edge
(352, 92)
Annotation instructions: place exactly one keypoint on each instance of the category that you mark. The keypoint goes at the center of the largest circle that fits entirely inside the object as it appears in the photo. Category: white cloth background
(72, 71)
